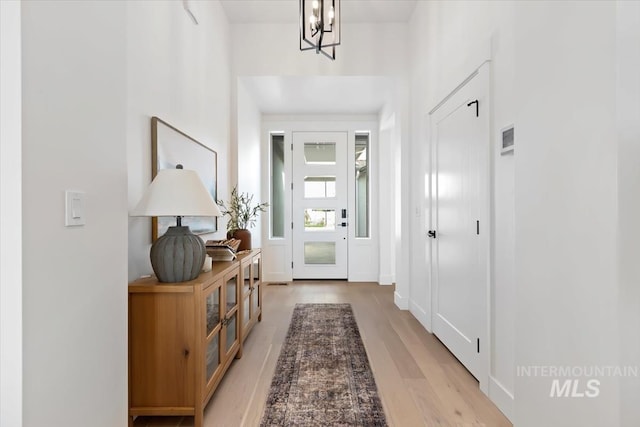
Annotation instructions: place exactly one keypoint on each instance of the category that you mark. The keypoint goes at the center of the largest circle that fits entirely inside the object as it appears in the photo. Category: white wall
(554, 75)
(10, 216)
(628, 126)
(179, 72)
(423, 37)
(74, 279)
(248, 155)
(87, 101)
(386, 210)
(273, 50)
(567, 206)
(402, 187)
(448, 41)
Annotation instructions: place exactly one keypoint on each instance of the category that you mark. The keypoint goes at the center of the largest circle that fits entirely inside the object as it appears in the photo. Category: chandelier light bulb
(315, 4)
(314, 22)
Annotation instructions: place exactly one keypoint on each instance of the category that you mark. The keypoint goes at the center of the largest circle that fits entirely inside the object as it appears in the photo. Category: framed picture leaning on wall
(170, 147)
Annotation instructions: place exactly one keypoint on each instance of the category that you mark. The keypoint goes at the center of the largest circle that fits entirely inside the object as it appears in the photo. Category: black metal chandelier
(320, 26)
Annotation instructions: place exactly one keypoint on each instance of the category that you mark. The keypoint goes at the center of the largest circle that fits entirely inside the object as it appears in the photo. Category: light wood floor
(419, 381)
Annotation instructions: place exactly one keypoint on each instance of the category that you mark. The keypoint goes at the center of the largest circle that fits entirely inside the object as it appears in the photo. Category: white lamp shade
(176, 192)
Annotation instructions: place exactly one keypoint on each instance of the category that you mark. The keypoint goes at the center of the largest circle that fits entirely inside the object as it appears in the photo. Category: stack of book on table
(222, 250)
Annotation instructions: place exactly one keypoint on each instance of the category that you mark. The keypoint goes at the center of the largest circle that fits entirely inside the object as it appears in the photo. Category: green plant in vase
(242, 214)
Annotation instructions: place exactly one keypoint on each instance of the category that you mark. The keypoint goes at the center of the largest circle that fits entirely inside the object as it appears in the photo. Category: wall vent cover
(507, 140)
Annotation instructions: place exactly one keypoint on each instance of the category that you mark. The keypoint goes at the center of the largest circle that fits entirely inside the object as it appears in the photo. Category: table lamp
(178, 255)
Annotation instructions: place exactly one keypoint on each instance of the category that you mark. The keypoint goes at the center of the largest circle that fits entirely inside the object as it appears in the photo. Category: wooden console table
(184, 336)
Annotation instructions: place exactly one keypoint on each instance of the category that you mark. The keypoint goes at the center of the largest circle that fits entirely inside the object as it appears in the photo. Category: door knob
(431, 233)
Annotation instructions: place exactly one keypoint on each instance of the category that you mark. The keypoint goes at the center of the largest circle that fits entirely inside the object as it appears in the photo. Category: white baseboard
(502, 398)
(386, 279)
(276, 278)
(421, 315)
(363, 277)
(401, 302)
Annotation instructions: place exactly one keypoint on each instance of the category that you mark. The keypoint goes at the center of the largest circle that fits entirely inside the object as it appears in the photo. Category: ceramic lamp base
(178, 255)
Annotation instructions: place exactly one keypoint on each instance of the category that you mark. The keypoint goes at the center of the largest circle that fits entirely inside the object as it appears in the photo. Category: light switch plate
(74, 208)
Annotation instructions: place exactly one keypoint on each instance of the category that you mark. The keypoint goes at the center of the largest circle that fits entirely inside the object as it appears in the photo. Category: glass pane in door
(319, 219)
(320, 153)
(213, 310)
(231, 330)
(255, 301)
(257, 285)
(213, 357)
(245, 310)
(232, 285)
(256, 269)
(246, 276)
(319, 187)
(320, 253)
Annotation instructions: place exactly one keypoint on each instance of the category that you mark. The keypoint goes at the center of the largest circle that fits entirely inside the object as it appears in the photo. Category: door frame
(363, 253)
(483, 72)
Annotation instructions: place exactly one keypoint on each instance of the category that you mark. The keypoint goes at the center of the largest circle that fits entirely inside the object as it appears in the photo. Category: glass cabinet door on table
(231, 314)
(256, 292)
(213, 311)
(247, 285)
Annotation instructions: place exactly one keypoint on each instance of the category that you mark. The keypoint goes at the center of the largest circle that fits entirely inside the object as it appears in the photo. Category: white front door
(319, 215)
(460, 222)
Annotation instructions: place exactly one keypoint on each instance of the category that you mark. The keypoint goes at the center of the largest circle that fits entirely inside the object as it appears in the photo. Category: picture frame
(170, 147)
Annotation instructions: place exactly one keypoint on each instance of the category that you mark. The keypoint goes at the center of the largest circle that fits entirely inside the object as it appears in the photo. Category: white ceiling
(319, 94)
(248, 11)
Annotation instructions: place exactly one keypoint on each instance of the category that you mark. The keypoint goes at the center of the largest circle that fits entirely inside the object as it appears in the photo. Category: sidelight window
(362, 185)
(277, 186)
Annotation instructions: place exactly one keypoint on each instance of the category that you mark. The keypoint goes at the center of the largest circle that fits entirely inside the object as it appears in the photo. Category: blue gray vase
(178, 255)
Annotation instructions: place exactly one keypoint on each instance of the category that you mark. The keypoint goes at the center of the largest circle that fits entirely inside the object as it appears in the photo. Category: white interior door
(460, 221)
(319, 208)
